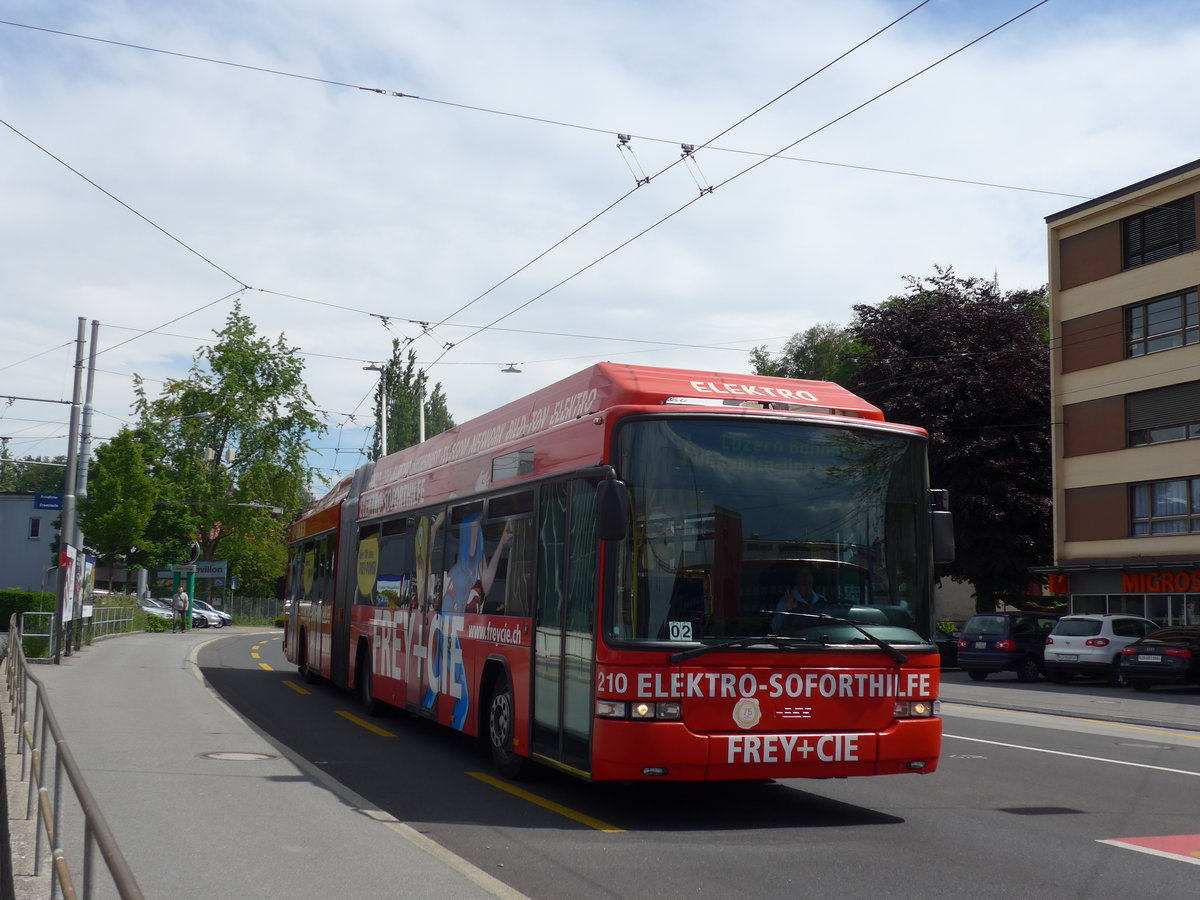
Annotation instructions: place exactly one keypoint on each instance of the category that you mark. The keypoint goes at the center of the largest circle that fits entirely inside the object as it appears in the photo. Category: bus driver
(798, 598)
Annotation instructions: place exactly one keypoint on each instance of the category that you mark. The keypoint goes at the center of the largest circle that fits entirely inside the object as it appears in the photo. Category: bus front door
(565, 624)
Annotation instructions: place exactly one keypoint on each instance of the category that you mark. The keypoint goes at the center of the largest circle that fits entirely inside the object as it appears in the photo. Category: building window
(1159, 233)
(35, 528)
(1165, 507)
(1165, 414)
(1162, 324)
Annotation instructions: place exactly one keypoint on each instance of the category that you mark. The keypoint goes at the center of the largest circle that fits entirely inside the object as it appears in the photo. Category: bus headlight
(914, 709)
(612, 709)
(642, 710)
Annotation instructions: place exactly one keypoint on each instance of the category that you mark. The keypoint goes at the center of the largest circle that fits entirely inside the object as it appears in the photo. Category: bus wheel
(371, 705)
(306, 674)
(501, 716)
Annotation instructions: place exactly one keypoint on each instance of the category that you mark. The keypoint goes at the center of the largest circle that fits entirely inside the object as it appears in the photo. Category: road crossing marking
(1183, 847)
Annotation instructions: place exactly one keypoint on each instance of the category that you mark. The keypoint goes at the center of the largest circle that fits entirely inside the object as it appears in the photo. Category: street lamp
(383, 405)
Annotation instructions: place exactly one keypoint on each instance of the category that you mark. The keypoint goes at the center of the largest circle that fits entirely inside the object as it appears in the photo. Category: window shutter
(1174, 405)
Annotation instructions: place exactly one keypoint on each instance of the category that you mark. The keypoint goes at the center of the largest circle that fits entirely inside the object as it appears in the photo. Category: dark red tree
(970, 365)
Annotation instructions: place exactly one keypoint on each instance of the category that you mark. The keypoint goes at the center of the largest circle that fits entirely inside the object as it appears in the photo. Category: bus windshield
(766, 527)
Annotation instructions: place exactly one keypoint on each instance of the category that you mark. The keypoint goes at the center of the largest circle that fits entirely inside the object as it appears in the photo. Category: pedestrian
(179, 611)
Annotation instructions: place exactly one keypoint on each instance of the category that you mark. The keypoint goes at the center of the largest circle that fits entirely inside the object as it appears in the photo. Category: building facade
(1125, 379)
(27, 537)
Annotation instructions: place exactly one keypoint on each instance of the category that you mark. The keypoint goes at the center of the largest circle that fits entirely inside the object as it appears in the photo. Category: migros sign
(1160, 582)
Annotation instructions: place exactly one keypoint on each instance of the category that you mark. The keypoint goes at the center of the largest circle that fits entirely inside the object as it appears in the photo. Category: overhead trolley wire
(526, 117)
(642, 182)
(749, 168)
(114, 197)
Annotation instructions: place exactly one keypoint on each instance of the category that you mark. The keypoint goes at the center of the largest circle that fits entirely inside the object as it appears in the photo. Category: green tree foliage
(233, 442)
(825, 352)
(970, 365)
(405, 384)
(121, 497)
(31, 474)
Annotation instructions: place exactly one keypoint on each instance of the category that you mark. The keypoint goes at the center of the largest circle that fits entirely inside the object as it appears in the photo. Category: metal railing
(51, 769)
(105, 621)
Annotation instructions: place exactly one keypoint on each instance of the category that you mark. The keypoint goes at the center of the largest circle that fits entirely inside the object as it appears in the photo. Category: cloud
(362, 202)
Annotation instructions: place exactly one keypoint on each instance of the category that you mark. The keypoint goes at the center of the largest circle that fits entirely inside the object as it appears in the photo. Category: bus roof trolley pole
(612, 508)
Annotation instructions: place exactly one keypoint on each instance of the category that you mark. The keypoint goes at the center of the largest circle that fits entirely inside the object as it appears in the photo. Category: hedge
(16, 600)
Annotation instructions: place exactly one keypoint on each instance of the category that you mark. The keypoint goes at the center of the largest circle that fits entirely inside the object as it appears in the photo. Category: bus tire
(501, 720)
(307, 675)
(363, 679)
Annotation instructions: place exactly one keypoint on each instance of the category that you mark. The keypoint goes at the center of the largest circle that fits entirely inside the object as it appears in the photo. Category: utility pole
(66, 578)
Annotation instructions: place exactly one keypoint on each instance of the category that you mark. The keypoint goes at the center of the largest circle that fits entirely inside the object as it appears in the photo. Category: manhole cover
(235, 756)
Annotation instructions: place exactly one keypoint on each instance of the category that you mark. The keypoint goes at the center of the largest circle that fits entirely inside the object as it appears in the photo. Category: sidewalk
(1080, 700)
(203, 806)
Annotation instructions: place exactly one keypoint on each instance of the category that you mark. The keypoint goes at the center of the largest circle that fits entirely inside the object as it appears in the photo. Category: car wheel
(1058, 677)
(500, 730)
(1028, 670)
(977, 674)
(1117, 678)
(1141, 684)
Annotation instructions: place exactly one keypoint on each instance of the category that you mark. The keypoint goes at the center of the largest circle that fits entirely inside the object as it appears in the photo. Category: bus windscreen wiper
(825, 617)
(736, 643)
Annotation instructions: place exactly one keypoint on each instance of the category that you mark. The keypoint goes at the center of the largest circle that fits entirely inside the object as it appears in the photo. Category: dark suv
(1004, 642)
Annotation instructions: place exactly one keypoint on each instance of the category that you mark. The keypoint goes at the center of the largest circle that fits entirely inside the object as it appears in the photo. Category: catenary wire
(748, 169)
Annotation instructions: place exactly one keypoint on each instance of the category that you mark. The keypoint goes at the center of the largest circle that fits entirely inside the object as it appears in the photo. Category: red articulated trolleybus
(595, 578)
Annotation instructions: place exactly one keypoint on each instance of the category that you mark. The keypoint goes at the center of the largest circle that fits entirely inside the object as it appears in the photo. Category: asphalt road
(1021, 806)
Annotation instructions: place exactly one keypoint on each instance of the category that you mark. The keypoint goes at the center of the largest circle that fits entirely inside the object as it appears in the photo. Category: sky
(452, 175)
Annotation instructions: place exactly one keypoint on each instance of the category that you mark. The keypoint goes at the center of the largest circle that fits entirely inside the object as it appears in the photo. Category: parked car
(1091, 645)
(205, 618)
(1164, 656)
(1004, 642)
(224, 617)
(947, 644)
(159, 609)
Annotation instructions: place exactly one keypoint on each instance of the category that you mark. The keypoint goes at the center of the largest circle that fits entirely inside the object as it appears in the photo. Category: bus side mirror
(942, 521)
(612, 509)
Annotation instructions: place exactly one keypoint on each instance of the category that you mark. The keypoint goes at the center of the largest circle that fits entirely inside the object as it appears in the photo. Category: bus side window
(509, 547)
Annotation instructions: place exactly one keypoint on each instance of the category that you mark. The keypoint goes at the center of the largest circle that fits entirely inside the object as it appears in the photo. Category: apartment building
(1125, 378)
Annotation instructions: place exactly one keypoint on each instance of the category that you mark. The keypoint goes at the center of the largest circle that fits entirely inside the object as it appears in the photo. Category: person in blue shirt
(799, 598)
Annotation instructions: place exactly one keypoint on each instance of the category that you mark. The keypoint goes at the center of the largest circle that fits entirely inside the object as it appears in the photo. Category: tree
(222, 479)
(32, 474)
(405, 384)
(120, 500)
(969, 364)
(824, 352)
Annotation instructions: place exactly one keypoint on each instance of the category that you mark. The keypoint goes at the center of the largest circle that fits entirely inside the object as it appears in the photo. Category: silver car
(223, 618)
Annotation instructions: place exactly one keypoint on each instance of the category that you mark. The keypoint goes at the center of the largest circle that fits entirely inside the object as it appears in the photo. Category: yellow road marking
(255, 656)
(265, 666)
(295, 687)
(579, 817)
(363, 722)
